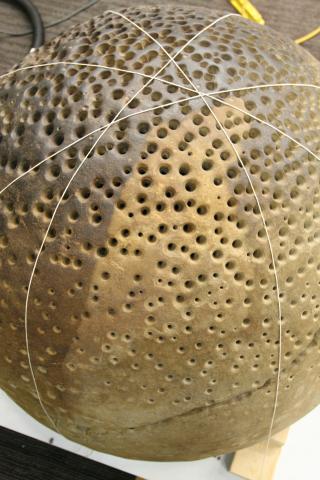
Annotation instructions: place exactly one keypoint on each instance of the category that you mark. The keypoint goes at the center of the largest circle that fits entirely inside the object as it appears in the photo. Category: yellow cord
(308, 36)
(247, 10)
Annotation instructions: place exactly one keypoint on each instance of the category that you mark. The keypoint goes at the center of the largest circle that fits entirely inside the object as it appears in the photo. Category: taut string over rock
(158, 204)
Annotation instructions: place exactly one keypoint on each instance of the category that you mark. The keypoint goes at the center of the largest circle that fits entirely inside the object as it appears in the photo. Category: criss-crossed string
(168, 82)
(198, 94)
(259, 207)
(106, 128)
(212, 95)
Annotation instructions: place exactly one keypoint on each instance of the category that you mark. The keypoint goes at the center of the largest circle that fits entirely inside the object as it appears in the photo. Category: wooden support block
(248, 462)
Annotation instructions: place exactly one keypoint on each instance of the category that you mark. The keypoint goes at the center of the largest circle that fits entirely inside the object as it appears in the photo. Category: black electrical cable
(31, 11)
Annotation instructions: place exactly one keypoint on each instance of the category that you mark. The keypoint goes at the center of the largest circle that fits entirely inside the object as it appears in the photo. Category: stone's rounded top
(150, 254)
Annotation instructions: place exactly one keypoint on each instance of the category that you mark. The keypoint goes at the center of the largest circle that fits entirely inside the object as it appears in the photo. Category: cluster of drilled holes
(207, 166)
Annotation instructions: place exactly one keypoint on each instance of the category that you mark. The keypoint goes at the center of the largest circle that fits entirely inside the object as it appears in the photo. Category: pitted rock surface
(153, 325)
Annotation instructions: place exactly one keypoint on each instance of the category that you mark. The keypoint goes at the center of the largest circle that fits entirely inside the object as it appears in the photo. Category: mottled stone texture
(153, 316)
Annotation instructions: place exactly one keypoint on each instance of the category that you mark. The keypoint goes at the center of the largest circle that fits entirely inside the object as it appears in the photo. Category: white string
(199, 94)
(150, 79)
(134, 72)
(211, 95)
(262, 218)
(82, 64)
(104, 130)
(265, 123)
(267, 85)
(63, 194)
(94, 65)
(164, 105)
(277, 291)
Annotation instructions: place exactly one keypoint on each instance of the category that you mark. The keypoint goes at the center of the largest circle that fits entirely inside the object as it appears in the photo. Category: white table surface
(299, 458)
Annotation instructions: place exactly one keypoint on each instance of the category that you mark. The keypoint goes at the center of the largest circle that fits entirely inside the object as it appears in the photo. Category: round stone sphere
(155, 274)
